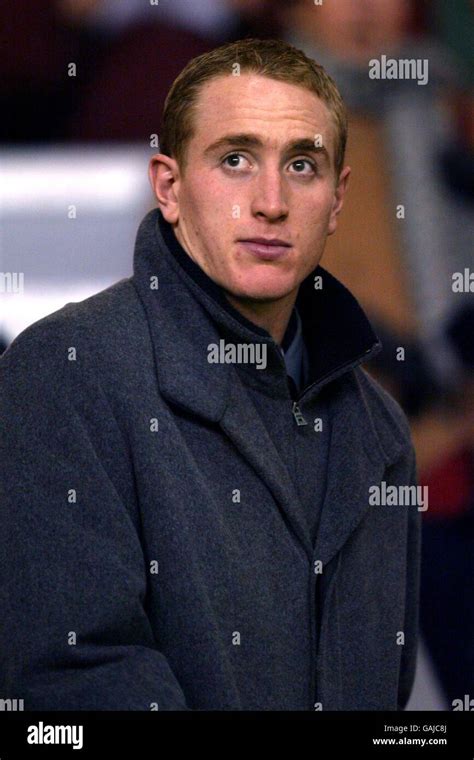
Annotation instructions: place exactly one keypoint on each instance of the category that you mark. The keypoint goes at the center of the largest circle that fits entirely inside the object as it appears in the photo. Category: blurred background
(82, 87)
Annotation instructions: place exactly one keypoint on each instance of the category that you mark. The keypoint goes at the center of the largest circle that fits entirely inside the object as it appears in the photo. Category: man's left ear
(338, 201)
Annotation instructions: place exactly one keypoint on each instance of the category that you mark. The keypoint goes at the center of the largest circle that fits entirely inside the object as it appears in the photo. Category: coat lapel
(242, 423)
(356, 462)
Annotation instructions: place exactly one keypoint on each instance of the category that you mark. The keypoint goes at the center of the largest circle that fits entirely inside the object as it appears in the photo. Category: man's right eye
(232, 156)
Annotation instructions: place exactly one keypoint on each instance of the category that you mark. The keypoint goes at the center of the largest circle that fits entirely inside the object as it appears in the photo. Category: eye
(232, 156)
(301, 161)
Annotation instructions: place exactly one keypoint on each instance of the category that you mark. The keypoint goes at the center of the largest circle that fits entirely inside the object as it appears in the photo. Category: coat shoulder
(389, 421)
(70, 362)
(97, 328)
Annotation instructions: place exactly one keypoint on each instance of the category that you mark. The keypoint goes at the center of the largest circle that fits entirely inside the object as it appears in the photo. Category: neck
(272, 316)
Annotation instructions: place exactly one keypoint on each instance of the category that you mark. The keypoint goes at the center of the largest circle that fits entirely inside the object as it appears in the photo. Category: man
(189, 456)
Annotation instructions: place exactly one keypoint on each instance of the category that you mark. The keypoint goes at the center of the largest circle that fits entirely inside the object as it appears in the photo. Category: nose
(269, 195)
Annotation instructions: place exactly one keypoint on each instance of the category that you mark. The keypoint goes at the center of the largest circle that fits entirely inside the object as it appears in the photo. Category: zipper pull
(300, 420)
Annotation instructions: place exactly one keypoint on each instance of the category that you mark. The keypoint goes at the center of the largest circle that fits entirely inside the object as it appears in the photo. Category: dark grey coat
(155, 545)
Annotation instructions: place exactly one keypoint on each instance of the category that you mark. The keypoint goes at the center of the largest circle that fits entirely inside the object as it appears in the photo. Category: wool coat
(179, 533)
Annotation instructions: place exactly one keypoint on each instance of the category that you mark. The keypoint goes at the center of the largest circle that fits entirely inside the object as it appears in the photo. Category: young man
(191, 458)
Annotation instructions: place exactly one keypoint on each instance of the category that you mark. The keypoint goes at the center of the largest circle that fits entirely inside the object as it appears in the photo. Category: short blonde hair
(272, 58)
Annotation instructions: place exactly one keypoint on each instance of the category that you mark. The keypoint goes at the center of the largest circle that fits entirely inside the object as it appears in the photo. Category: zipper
(314, 683)
(300, 420)
(296, 411)
(315, 589)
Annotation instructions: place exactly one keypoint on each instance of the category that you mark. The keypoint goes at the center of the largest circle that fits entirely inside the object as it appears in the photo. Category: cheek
(215, 206)
(196, 210)
(313, 222)
(316, 203)
(314, 228)
(211, 219)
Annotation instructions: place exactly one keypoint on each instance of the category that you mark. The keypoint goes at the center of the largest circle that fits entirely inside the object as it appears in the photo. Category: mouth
(267, 249)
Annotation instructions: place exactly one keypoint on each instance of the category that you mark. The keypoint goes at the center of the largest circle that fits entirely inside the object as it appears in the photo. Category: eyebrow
(244, 140)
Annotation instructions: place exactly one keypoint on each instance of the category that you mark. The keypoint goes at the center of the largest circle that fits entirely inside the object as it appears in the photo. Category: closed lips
(264, 241)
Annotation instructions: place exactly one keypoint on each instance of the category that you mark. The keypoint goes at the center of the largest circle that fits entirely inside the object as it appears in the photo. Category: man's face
(257, 186)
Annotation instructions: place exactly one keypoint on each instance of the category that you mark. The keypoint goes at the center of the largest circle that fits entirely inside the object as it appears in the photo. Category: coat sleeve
(409, 651)
(74, 632)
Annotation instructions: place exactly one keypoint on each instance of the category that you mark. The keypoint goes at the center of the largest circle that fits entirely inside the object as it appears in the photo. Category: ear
(164, 176)
(338, 201)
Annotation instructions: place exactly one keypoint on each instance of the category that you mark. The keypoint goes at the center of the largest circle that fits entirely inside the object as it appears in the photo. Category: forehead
(277, 110)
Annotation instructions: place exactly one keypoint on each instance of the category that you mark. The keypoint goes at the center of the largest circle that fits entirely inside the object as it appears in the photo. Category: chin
(262, 289)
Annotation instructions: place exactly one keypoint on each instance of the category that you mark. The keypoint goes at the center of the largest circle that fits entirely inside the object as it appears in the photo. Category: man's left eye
(302, 161)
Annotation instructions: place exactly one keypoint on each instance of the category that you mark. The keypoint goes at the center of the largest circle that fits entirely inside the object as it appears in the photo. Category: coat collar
(187, 311)
(192, 312)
